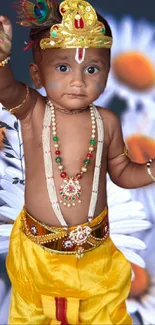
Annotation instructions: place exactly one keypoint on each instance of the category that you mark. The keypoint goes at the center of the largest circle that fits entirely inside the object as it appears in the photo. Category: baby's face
(69, 84)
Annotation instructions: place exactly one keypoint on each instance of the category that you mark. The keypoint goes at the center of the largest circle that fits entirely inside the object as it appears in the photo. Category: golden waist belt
(72, 240)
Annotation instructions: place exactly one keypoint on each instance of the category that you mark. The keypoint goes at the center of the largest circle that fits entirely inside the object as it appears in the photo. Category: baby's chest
(72, 142)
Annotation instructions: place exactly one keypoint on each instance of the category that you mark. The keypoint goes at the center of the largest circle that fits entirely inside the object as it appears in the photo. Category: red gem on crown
(79, 22)
(63, 10)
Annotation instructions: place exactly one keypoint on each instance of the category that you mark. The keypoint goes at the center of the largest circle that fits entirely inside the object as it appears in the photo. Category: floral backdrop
(131, 85)
(130, 93)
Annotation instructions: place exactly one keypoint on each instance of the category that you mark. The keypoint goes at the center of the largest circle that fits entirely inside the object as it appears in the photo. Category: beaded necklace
(72, 186)
(70, 190)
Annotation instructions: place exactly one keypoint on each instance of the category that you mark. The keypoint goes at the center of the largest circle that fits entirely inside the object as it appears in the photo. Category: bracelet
(125, 153)
(13, 110)
(4, 62)
(148, 164)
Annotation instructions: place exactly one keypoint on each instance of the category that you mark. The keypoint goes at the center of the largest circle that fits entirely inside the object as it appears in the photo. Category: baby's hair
(36, 34)
(108, 31)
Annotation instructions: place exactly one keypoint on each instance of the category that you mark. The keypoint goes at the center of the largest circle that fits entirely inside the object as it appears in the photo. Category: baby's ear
(35, 75)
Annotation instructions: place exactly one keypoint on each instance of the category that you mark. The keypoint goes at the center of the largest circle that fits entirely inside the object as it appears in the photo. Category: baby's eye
(63, 68)
(92, 69)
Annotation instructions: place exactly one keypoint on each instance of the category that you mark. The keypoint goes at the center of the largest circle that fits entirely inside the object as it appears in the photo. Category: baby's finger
(7, 26)
(4, 37)
(5, 43)
(5, 46)
(1, 27)
(4, 51)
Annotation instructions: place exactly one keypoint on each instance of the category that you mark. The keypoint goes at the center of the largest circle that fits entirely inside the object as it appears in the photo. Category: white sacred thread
(97, 169)
(48, 165)
(49, 168)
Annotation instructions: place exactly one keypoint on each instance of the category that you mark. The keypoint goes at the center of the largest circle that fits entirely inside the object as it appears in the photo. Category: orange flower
(140, 284)
(135, 70)
(141, 148)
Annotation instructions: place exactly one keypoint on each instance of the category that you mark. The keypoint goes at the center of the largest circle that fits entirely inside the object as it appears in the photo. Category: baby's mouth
(76, 95)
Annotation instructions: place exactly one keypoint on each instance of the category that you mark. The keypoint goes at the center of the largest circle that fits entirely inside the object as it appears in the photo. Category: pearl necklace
(70, 190)
(49, 115)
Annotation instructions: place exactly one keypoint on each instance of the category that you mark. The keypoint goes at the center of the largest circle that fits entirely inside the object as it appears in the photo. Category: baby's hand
(5, 37)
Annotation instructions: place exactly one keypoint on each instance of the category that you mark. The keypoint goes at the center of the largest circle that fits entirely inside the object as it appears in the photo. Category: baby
(63, 266)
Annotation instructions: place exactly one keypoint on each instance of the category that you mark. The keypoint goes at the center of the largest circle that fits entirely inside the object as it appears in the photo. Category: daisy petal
(5, 230)
(11, 200)
(128, 241)
(4, 244)
(8, 213)
(132, 257)
(126, 227)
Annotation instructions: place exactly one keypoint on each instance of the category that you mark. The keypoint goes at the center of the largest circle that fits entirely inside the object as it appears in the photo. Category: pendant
(79, 252)
(70, 192)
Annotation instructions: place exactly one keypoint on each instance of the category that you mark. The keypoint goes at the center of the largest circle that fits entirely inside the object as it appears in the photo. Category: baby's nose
(77, 80)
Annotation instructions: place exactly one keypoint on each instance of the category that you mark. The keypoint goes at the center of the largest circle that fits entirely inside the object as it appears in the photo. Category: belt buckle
(78, 237)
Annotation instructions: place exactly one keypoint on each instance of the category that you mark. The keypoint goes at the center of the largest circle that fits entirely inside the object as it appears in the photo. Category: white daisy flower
(126, 217)
(13, 152)
(132, 65)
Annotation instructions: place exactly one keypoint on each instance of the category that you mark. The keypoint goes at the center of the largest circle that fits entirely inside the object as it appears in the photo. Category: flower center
(140, 284)
(135, 70)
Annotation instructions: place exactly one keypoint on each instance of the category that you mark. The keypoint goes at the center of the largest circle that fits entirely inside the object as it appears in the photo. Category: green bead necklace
(70, 190)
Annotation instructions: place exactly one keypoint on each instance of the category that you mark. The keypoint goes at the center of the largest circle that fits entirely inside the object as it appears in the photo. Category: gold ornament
(125, 153)
(79, 28)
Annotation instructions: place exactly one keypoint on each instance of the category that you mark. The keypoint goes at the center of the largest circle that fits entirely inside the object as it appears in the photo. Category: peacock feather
(35, 13)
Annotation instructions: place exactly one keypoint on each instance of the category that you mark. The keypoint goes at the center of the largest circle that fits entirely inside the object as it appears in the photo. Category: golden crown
(79, 28)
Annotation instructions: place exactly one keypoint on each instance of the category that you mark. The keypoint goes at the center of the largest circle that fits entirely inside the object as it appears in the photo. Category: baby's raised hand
(5, 37)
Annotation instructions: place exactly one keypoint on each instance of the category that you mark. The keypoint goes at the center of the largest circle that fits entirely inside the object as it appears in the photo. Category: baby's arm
(12, 92)
(122, 171)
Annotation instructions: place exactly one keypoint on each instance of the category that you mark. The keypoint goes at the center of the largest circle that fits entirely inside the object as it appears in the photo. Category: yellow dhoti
(58, 288)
